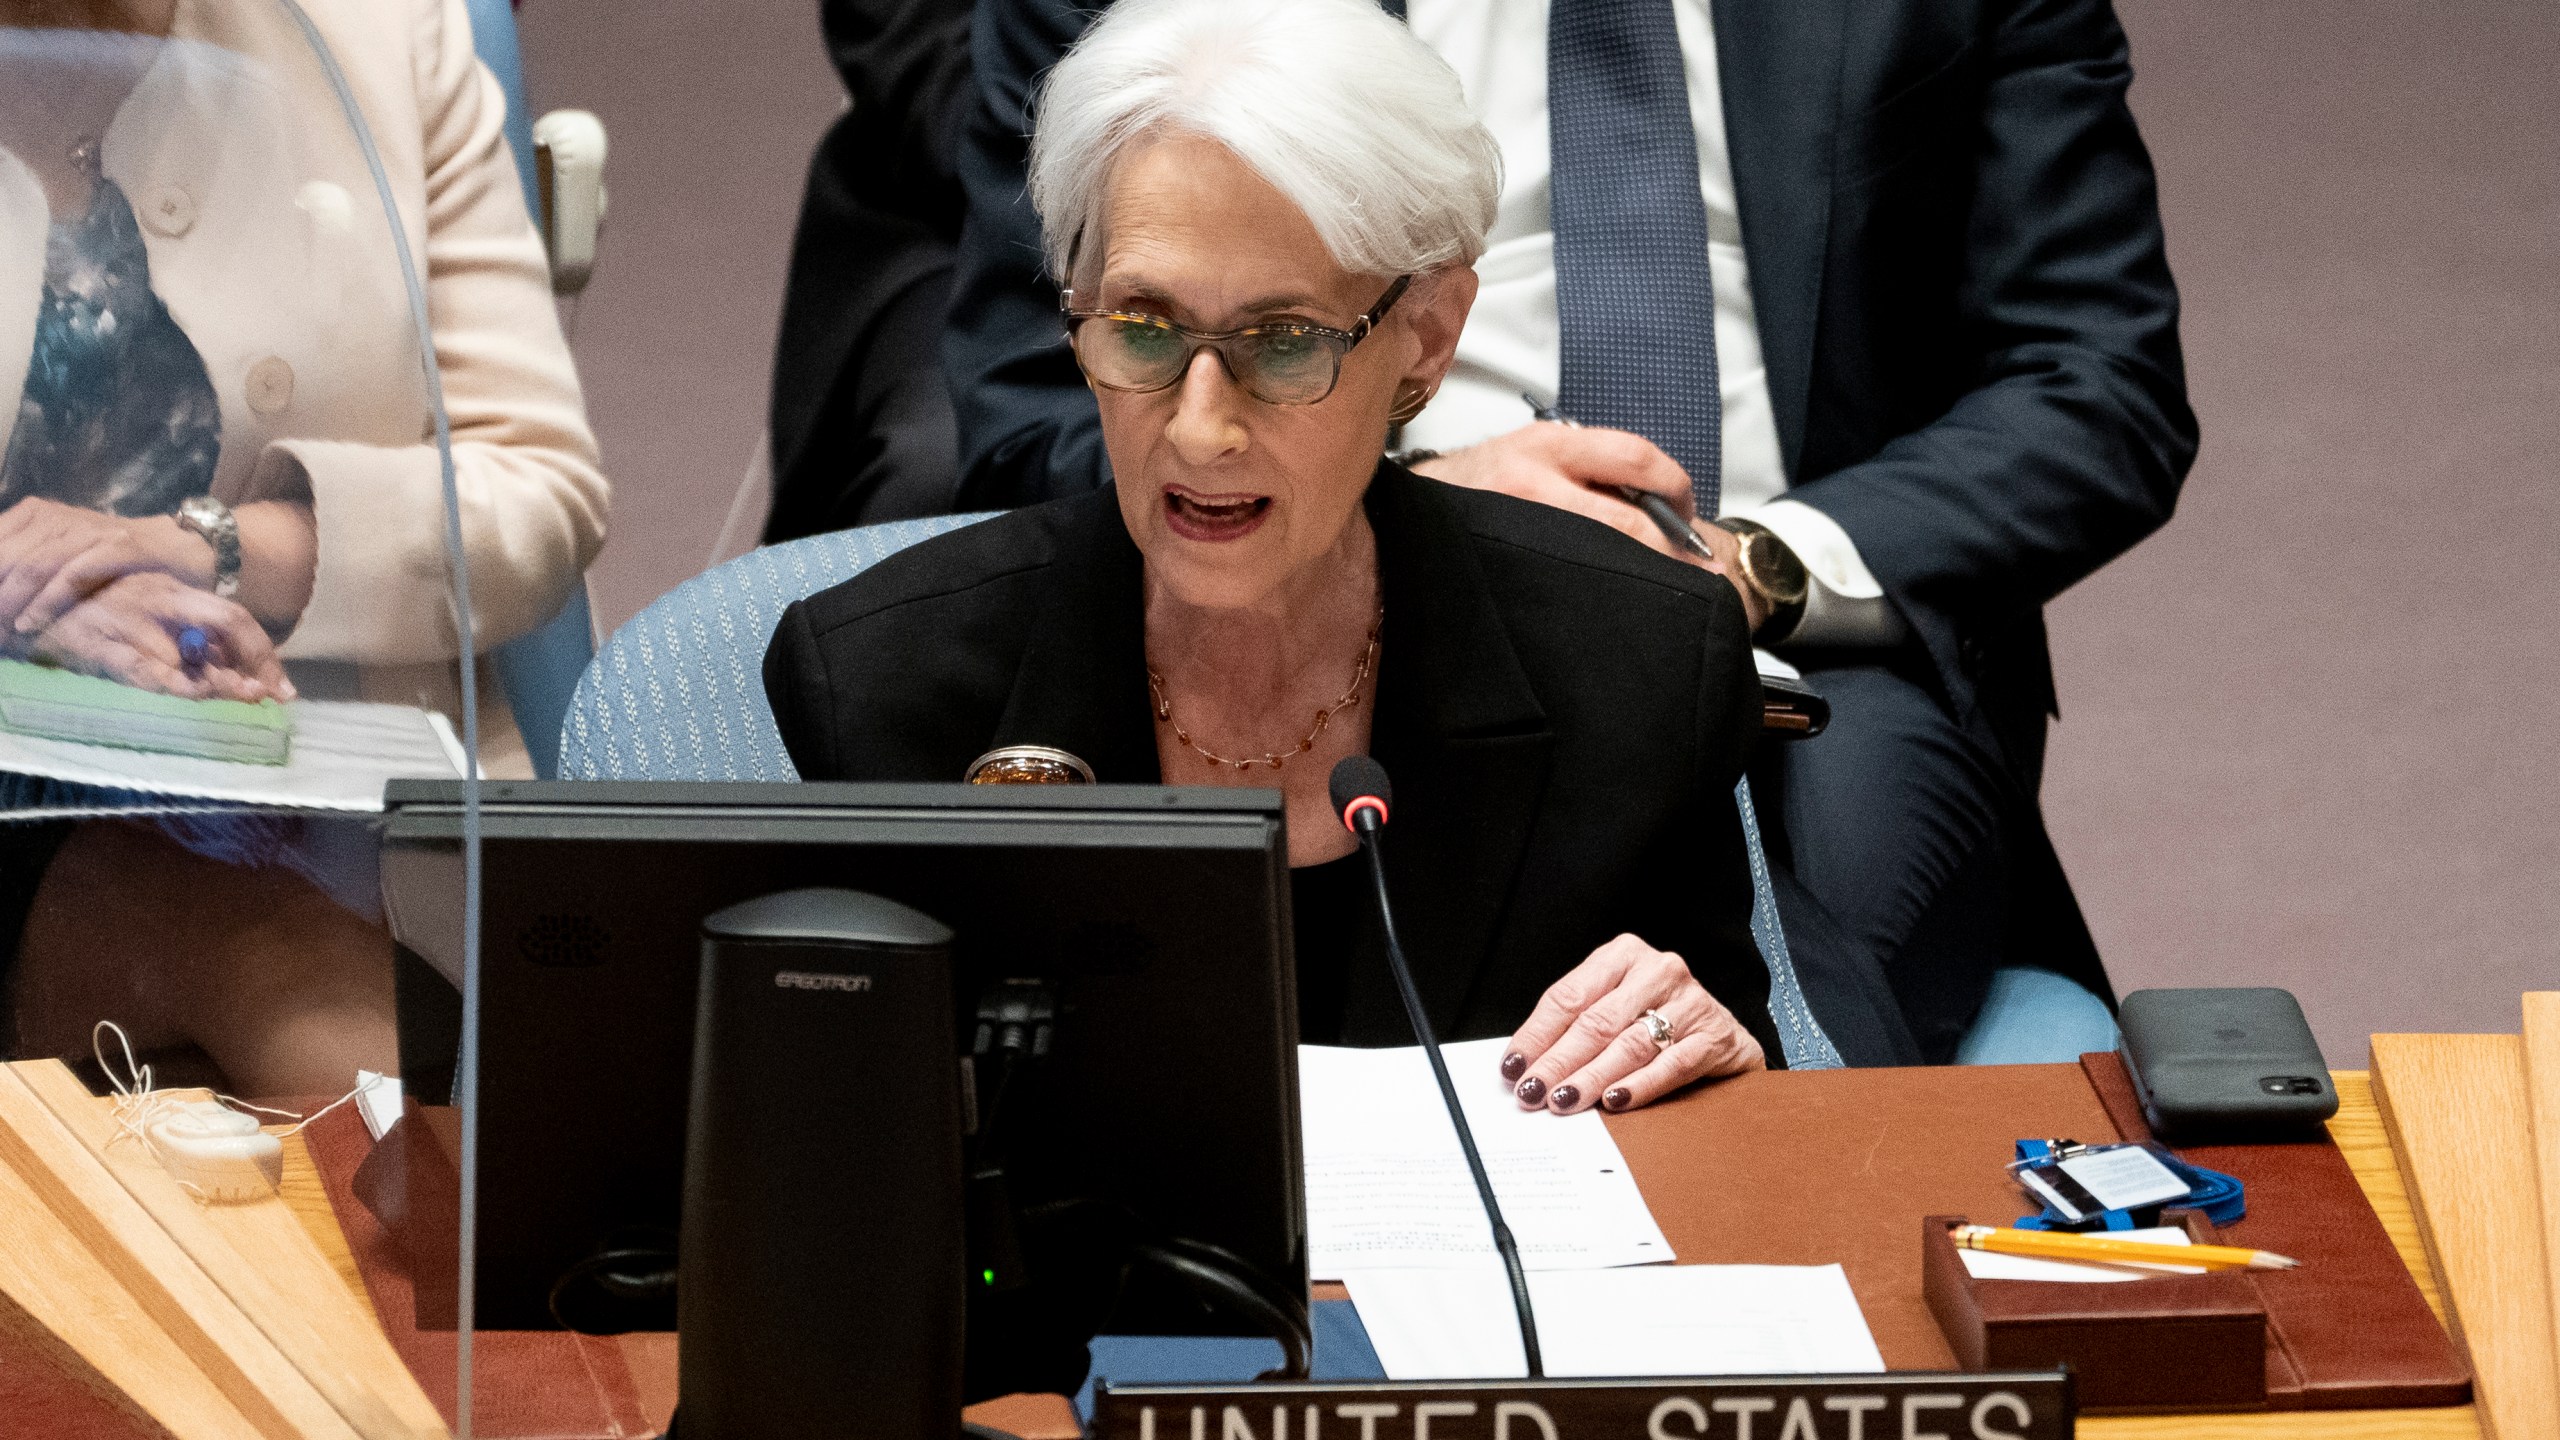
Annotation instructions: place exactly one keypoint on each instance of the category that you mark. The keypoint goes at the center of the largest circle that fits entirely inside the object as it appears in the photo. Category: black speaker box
(821, 1278)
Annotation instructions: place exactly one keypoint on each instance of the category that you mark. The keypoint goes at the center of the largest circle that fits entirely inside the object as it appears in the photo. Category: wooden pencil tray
(2177, 1342)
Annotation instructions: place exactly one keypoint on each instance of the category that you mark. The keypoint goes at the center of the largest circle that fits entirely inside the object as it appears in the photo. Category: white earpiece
(216, 1150)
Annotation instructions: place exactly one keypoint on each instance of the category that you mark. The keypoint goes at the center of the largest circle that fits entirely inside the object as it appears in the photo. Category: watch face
(1773, 567)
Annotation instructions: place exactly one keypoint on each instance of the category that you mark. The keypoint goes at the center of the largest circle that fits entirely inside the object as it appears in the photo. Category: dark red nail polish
(1567, 1097)
(1617, 1097)
(1533, 1090)
(1513, 1064)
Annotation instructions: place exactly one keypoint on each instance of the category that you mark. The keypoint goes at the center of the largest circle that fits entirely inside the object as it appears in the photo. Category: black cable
(1366, 826)
(635, 1275)
(1223, 1279)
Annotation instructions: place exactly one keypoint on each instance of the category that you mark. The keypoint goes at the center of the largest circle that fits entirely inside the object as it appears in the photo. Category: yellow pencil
(2066, 1245)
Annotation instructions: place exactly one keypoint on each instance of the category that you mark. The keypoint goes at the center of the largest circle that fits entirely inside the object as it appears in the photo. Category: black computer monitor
(1155, 920)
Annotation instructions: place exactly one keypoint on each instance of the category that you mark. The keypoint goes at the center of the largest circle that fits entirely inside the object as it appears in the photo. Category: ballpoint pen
(1661, 512)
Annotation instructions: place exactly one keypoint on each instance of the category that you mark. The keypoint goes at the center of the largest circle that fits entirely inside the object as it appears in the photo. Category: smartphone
(2230, 1064)
(1791, 710)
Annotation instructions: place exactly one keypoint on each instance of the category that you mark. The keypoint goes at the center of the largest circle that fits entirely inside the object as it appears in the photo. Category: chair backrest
(493, 38)
(678, 694)
(539, 669)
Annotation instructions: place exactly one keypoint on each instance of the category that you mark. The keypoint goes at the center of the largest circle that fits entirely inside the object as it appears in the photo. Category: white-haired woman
(1264, 213)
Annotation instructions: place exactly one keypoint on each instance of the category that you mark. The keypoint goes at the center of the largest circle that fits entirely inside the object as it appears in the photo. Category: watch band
(213, 521)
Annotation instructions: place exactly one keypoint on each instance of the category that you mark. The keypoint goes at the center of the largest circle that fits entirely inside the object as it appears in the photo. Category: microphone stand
(1366, 825)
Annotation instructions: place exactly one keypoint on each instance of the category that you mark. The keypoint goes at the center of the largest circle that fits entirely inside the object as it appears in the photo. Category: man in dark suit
(861, 418)
(1904, 321)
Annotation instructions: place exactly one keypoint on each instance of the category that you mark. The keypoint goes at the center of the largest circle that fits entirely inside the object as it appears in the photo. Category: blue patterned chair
(678, 693)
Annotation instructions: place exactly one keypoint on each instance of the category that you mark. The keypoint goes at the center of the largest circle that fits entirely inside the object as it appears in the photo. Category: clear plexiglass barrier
(279, 365)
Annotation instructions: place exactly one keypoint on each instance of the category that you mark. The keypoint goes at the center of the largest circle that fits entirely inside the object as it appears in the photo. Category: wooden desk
(2357, 1130)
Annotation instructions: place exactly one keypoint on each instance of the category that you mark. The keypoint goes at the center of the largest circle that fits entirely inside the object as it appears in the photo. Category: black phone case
(1779, 695)
(2228, 1063)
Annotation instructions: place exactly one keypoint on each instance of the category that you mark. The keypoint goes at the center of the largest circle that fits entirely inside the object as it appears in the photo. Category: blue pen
(193, 648)
(1665, 517)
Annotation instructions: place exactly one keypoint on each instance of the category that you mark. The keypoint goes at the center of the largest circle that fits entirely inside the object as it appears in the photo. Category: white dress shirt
(1511, 344)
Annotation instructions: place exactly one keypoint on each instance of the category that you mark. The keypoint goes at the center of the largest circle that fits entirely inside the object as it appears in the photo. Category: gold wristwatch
(1774, 574)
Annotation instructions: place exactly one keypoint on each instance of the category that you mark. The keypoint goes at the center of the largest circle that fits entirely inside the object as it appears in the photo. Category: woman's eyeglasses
(1276, 364)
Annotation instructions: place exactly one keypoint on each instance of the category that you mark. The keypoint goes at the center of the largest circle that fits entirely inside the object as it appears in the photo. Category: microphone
(1360, 792)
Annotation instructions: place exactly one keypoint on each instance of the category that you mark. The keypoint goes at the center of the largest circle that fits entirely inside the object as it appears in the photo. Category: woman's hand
(53, 556)
(1588, 1041)
(134, 630)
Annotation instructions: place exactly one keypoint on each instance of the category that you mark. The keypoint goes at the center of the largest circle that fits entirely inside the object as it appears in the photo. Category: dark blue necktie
(1633, 292)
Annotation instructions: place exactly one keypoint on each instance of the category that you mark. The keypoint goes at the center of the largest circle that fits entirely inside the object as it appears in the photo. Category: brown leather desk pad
(1809, 1168)
(2349, 1328)
(525, 1383)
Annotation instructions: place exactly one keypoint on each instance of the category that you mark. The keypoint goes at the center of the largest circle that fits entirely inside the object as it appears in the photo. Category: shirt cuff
(1844, 605)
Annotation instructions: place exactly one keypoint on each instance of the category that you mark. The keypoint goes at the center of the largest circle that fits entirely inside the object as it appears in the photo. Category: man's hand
(1581, 469)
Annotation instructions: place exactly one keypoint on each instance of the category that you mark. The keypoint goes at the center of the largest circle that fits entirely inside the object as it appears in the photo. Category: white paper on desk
(1993, 1265)
(1387, 1186)
(343, 751)
(1650, 1320)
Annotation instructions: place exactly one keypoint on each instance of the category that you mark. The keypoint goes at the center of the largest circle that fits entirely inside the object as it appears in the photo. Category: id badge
(2083, 1182)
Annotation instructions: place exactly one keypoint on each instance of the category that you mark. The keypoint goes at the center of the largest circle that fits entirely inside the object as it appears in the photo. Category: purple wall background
(2308, 733)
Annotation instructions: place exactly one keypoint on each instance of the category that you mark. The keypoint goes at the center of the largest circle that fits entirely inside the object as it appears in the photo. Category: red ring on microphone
(1364, 802)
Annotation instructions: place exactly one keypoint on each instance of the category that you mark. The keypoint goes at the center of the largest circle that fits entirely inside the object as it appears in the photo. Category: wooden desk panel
(2459, 1120)
(2542, 1095)
(309, 1201)
(2357, 1130)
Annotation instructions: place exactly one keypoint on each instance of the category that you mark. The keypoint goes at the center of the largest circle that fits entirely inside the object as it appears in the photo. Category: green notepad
(59, 705)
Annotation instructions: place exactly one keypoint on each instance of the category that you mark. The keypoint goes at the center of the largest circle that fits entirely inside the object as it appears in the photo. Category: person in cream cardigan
(202, 140)
(271, 252)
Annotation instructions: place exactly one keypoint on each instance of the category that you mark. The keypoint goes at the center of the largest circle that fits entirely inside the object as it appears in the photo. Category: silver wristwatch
(220, 528)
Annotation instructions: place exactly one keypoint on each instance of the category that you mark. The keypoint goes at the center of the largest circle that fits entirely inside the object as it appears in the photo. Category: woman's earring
(1410, 402)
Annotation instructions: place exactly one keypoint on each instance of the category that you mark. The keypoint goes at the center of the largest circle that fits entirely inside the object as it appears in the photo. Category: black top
(117, 414)
(1334, 913)
(1565, 714)
(861, 419)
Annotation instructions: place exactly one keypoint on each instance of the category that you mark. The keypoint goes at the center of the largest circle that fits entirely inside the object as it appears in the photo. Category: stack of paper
(1387, 1186)
(59, 705)
(1658, 1320)
(1393, 1213)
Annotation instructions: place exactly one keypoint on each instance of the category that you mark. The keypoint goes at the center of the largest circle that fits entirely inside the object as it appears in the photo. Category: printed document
(1655, 1320)
(1387, 1186)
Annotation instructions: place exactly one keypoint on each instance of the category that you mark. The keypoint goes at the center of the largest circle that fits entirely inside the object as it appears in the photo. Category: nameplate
(1901, 1405)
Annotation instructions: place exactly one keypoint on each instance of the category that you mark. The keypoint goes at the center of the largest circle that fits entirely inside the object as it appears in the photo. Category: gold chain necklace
(1274, 759)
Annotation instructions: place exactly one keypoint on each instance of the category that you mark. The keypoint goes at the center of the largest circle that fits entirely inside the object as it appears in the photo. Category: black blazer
(855, 437)
(1565, 715)
(1963, 296)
